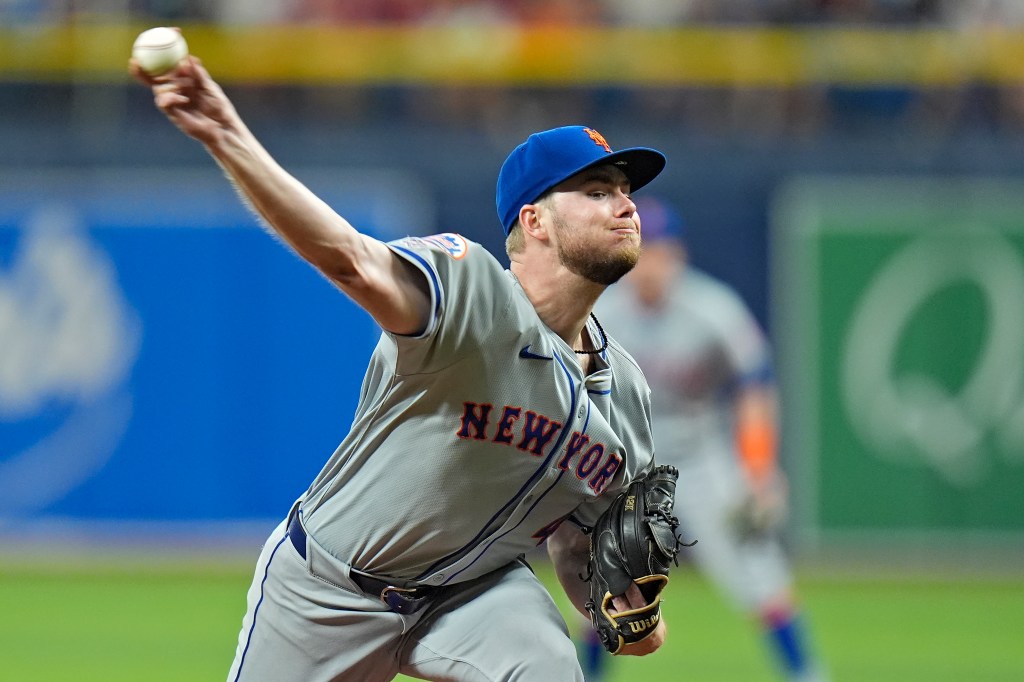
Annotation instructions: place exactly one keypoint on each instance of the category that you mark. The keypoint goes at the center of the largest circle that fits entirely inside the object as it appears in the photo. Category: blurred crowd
(803, 110)
(606, 12)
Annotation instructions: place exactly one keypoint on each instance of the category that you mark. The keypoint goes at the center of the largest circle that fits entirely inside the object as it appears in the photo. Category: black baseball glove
(634, 540)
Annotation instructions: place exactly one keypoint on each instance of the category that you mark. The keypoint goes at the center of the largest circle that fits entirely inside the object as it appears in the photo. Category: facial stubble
(597, 265)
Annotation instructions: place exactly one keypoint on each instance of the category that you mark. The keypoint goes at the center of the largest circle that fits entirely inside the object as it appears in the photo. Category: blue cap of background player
(659, 220)
(549, 157)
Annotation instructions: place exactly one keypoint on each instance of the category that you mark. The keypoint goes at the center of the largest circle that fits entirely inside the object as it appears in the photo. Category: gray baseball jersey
(470, 444)
(474, 439)
(695, 351)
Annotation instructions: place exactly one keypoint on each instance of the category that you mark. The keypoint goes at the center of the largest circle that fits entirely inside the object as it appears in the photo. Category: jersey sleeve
(588, 512)
(469, 290)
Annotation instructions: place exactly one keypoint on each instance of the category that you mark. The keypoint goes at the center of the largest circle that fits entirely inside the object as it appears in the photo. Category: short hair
(515, 241)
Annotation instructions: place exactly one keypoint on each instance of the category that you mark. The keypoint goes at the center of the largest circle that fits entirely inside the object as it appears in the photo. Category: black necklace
(604, 337)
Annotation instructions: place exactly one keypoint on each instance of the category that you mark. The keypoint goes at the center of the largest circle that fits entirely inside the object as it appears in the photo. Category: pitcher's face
(595, 225)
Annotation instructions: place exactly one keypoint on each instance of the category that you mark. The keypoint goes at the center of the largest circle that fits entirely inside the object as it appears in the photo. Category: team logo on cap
(598, 139)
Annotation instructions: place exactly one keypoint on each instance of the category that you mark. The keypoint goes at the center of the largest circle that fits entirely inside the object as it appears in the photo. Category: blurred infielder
(714, 402)
(494, 410)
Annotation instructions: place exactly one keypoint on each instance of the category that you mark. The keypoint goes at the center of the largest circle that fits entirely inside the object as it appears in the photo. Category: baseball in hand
(159, 50)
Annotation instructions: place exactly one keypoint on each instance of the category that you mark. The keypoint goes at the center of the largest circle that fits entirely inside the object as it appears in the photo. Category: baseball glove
(634, 540)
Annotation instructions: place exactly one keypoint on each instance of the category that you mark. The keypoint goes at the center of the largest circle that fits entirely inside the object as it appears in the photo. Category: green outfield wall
(899, 318)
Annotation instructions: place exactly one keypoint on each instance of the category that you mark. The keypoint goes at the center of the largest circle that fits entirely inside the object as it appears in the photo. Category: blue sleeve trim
(435, 286)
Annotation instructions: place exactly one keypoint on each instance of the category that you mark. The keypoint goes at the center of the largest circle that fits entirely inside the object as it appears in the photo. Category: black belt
(402, 600)
(297, 534)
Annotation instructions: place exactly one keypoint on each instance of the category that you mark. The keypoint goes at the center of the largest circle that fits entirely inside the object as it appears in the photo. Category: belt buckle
(400, 599)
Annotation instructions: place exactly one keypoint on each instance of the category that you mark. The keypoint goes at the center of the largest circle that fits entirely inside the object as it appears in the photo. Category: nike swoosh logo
(528, 355)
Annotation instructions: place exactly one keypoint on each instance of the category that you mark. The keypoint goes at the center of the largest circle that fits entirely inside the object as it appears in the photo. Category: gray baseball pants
(307, 621)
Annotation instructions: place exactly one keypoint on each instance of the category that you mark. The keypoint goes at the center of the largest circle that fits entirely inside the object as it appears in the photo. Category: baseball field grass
(158, 619)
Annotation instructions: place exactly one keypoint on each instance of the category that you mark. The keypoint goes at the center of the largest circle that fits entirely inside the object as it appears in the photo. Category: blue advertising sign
(162, 358)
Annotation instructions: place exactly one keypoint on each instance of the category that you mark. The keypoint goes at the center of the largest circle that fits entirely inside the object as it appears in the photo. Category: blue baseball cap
(551, 156)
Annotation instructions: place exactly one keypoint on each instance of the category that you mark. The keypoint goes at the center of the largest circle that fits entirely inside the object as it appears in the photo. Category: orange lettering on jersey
(598, 139)
(532, 433)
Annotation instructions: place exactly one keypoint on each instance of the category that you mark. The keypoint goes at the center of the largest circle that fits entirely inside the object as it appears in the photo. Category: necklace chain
(604, 337)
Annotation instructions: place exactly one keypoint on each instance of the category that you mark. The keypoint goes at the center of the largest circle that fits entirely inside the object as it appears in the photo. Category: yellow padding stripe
(508, 55)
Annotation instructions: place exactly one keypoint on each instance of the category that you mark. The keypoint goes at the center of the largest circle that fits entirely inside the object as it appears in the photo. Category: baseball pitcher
(495, 415)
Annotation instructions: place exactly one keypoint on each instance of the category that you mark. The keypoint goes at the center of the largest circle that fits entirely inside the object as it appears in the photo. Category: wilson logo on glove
(641, 625)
